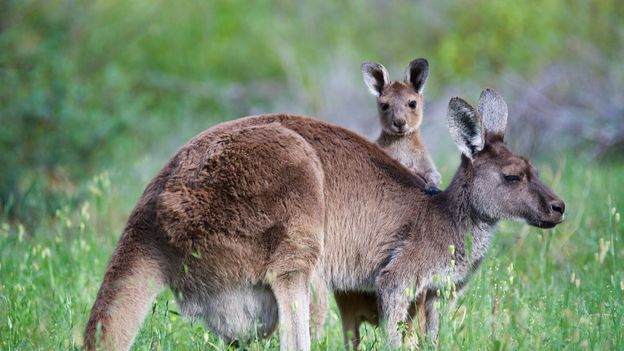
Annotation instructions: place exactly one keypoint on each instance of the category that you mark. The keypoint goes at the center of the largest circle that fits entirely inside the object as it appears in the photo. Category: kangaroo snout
(558, 206)
(399, 124)
(554, 216)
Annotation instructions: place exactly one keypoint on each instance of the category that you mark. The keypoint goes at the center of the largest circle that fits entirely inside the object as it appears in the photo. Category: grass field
(556, 289)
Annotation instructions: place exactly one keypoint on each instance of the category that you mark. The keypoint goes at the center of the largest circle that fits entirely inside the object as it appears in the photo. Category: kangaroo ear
(465, 127)
(493, 111)
(417, 73)
(375, 77)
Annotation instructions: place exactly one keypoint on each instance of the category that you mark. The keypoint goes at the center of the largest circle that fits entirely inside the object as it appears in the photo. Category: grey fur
(465, 127)
(493, 111)
(239, 314)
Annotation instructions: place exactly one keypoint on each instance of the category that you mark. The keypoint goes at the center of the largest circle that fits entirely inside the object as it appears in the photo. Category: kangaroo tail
(132, 281)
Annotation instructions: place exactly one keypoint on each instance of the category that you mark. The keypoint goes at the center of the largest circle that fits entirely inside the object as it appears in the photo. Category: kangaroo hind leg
(293, 303)
(290, 275)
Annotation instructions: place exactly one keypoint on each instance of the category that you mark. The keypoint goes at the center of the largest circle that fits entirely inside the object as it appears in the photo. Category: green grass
(556, 289)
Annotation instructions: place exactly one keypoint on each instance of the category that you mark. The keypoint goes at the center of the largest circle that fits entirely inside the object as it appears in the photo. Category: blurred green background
(95, 96)
(88, 86)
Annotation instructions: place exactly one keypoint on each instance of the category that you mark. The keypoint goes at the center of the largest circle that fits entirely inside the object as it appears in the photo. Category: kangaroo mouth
(401, 131)
(545, 224)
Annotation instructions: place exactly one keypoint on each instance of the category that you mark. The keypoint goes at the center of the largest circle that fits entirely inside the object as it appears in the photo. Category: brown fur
(260, 205)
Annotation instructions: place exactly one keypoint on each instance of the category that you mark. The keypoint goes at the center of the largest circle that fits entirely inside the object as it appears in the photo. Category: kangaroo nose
(399, 123)
(557, 206)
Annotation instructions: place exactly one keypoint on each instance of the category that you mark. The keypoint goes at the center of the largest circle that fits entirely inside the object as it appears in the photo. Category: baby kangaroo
(400, 106)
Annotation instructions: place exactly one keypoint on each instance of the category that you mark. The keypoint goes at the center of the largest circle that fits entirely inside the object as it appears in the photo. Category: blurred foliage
(86, 85)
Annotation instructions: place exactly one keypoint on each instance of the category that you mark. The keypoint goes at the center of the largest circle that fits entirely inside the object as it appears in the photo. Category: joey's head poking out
(400, 103)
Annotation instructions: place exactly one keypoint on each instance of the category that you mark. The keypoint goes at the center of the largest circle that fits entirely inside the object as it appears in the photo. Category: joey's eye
(512, 178)
(384, 106)
(412, 104)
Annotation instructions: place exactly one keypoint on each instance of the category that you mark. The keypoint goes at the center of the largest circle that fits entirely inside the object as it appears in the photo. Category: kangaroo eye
(384, 106)
(513, 178)
(412, 104)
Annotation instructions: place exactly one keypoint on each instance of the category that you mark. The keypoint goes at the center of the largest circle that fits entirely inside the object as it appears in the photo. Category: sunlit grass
(555, 289)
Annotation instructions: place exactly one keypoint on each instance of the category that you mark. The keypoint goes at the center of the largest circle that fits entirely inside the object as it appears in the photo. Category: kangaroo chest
(464, 262)
(404, 151)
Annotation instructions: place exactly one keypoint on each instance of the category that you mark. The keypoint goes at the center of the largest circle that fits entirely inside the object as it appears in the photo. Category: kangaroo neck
(465, 220)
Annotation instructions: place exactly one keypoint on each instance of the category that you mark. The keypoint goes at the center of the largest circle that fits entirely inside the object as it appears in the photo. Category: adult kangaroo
(248, 211)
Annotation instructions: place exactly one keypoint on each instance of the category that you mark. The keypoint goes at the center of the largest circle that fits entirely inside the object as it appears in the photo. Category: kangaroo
(400, 107)
(249, 210)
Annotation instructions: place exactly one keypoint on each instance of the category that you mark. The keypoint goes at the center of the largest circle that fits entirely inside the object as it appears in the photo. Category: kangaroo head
(400, 103)
(503, 185)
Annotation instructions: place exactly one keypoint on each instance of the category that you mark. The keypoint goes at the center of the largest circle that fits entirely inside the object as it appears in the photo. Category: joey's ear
(465, 127)
(375, 77)
(417, 73)
(493, 112)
